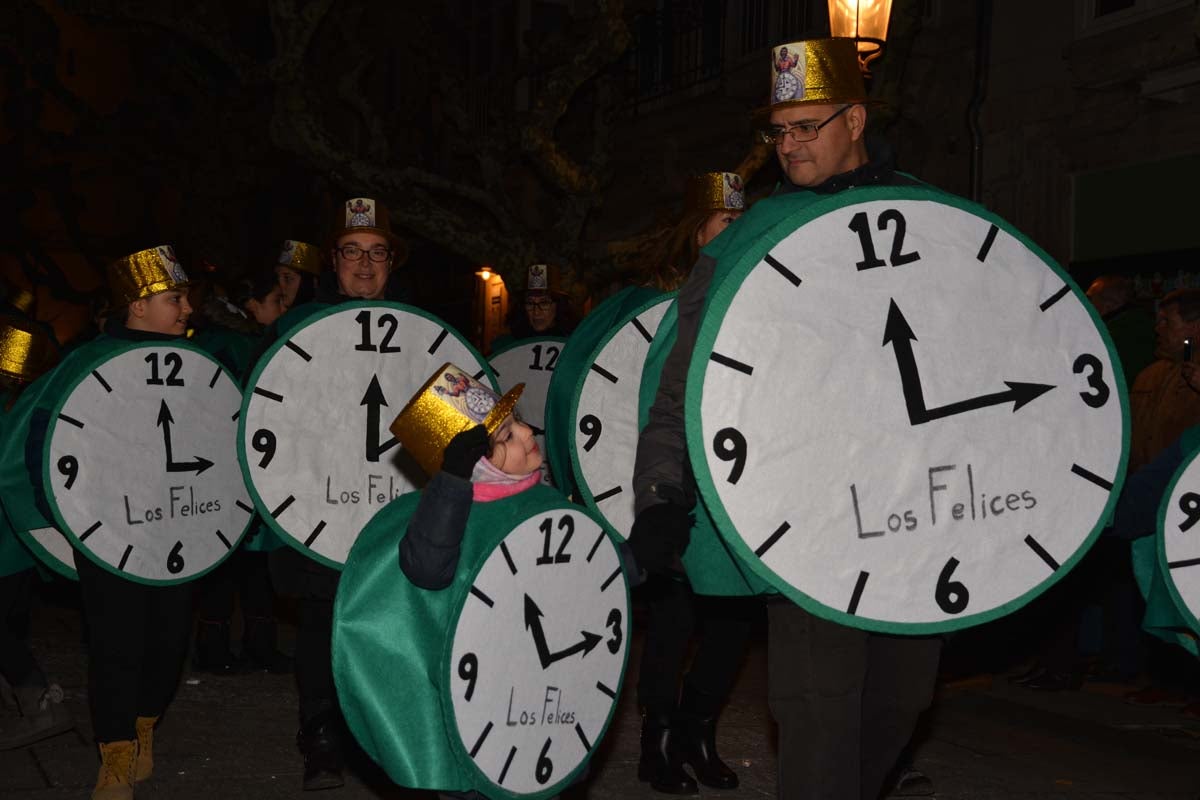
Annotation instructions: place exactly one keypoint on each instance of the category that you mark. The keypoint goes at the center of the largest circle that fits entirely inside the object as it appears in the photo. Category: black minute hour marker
(512, 567)
(483, 597)
(298, 350)
(283, 506)
(987, 244)
(1054, 298)
(595, 545)
(586, 744)
(507, 763)
(95, 525)
(1091, 476)
(224, 541)
(479, 374)
(1187, 562)
(637, 323)
(772, 539)
(479, 742)
(606, 690)
(312, 537)
(125, 557)
(859, 585)
(610, 579)
(236, 414)
(792, 277)
(732, 363)
(599, 370)
(100, 379)
(71, 420)
(216, 376)
(1036, 547)
(441, 337)
(244, 507)
(278, 398)
(616, 490)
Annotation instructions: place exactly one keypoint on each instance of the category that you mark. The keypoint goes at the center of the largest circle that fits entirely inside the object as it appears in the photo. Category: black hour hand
(533, 624)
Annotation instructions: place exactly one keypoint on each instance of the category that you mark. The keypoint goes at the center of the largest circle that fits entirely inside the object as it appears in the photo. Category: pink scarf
(491, 483)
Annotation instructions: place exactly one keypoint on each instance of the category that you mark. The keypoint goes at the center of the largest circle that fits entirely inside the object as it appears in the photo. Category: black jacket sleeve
(430, 548)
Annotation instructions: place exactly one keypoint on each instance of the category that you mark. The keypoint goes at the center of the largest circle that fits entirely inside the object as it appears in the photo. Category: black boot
(320, 743)
(661, 763)
(258, 647)
(698, 740)
(213, 653)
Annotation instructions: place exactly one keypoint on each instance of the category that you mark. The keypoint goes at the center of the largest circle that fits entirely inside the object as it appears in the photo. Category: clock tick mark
(599, 370)
(312, 537)
(125, 557)
(441, 337)
(479, 741)
(216, 376)
(90, 531)
(732, 363)
(224, 541)
(512, 567)
(71, 420)
(236, 414)
(610, 579)
(616, 490)
(244, 507)
(772, 539)
(100, 379)
(792, 277)
(483, 597)
(278, 398)
(637, 323)
(586, 744)
(283, 506)
(507, 763)
(595, 545)
(1091, 476)
(859, 585)
(479, 374)
(606, 690)
(1042, 553)
(987, 244)
(1054, 298)
(1187, 562)
(298, 350)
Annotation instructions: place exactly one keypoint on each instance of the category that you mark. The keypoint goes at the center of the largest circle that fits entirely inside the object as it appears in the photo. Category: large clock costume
(313, 430)
(903, 414)
(531, 362)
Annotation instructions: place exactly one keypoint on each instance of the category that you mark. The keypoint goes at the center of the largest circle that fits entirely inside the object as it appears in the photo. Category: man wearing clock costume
(364, 252)
(846, 701)
(26, 352)
(138, 631)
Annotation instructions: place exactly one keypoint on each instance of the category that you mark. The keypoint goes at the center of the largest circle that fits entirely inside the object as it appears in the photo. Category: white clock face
(531, 362)
(606, 416)
(539, 651)
(314, 439)
(53, 549)
(141, 464)
(1179, 544)
(909, 421)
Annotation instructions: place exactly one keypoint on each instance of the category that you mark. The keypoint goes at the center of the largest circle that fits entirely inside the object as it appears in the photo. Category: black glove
(659, 536)
(464, 451)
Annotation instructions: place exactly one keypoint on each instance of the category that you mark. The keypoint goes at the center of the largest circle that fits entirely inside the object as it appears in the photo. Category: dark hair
(670, 260)
(1187, 301)
(564, 317)
(256, 287)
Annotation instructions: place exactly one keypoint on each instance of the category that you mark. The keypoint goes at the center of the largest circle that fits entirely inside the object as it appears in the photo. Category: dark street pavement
(233, 737)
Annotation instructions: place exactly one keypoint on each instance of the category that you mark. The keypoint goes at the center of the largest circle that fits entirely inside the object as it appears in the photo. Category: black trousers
(315, 586)
(137, 641)
(846, 702)
(17, 664)
(244, 573)
(673, 615)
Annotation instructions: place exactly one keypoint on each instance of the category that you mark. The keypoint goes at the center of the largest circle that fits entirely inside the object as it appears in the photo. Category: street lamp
(485, 274)
(865, 21)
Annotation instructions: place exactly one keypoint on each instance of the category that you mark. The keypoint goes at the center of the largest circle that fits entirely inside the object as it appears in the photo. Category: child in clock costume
(139, 632)
(846, 701)
(26, 352)
(434, 570)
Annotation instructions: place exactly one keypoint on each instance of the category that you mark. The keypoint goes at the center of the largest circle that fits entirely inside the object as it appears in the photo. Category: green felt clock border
(1160, 546)
(722, 293)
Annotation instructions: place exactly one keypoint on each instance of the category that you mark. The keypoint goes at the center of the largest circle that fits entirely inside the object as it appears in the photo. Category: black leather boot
(213, 653)
(259, 650)
(320, 743)
(698, 740)
(661, 764)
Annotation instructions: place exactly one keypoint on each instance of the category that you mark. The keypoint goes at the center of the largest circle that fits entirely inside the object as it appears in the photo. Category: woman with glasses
(544, 310)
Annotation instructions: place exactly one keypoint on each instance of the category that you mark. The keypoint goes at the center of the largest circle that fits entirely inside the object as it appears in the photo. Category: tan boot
(115, 781)
(145, 755)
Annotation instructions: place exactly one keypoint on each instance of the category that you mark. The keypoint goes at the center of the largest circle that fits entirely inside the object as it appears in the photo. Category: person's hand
(464, 451)
(659, 535)
(1191, 376)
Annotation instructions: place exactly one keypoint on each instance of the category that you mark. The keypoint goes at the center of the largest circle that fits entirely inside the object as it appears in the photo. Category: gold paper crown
(449, 403)
(22, 299)
(26, 351)
(144, 273)
(714, 191)
(368, 215)
(816, 71)
(300, 256)
(543, 278)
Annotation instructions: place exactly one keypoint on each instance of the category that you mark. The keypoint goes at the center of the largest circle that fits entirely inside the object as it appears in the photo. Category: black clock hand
(196, 465)
(590, 640)
(533, 623)
(898, 333)
(374, 400)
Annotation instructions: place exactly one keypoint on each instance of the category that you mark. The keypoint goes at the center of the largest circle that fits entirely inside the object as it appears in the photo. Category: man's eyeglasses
(800, 132)
(352, 252)
(545, 304)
